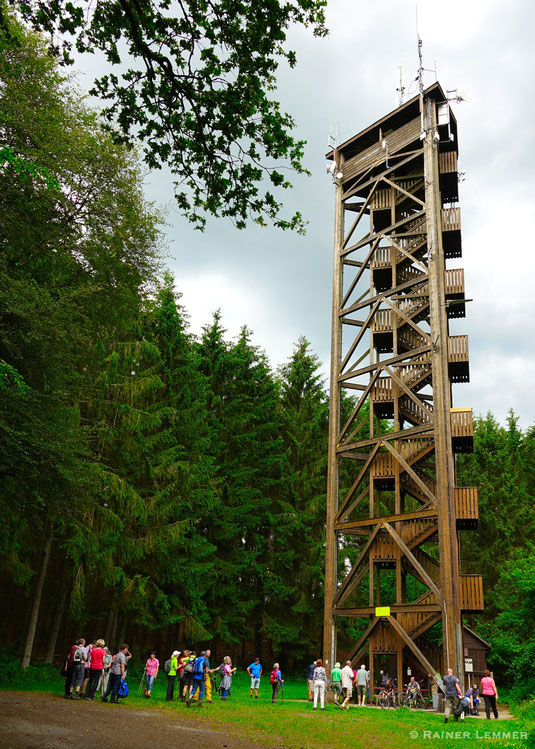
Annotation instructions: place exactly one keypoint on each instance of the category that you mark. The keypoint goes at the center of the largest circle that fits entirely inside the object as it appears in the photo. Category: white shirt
(347, 677)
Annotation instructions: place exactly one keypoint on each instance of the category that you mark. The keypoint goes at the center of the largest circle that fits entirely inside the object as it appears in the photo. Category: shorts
(310, 684)
(348, 691)
(255, 682)
(187, 680)
(361, 689)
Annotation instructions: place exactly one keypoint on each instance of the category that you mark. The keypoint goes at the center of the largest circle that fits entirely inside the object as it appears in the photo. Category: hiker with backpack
(79, 659)
(171, 667)
(226, 682)
(198, 677)
(187, 674)
(151, 672)
(276, 682)
(117, 673)
(255, 672)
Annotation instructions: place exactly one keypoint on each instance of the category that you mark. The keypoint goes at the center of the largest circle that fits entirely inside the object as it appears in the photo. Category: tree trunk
(34, 615)
(113, 631)
(56, 622)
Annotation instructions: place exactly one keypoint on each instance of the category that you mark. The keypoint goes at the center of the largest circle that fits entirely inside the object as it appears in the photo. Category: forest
(156, 485)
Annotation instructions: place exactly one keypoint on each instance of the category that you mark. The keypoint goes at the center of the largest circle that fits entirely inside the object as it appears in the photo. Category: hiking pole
(282, 687)
(141, 684)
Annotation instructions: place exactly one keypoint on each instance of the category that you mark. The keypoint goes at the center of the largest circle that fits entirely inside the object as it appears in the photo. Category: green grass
(294, 725)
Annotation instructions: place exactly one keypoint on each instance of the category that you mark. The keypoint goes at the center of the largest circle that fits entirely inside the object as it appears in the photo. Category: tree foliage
(193, 81)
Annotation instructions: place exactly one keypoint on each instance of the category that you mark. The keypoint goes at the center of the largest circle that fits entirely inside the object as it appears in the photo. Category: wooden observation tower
(397, 226)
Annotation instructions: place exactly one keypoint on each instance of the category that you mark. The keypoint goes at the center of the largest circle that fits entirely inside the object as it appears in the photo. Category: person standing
(276, 682)
(320, 682)
(186, 673)
(208, 680)
(452, 694)
(337, 682)
(95, 671)
(255, 672)
(226, 683)
(490, 694)
(107, 661)
(198, 679)
(347, 685)
(310, 681)
(362, 685)
(171, 676)
(117, 673)
(78, 671)
(69, 667)
(152, 667)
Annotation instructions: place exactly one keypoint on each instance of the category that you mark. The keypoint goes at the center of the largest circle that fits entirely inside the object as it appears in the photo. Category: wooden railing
(382, 389)
(461, 422)
(466, 504)
(382, 321)
(430, 565)
(414, 411)
(384, 547)
(472, 592)
(411, 339)
(451, 219)
(411, 450)
(454, 281)
(382, 257)
(447, 161)
(458, 348)
(381, 200)
(415, 622)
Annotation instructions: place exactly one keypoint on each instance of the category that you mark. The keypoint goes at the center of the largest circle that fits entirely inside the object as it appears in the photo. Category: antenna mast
(420, 59)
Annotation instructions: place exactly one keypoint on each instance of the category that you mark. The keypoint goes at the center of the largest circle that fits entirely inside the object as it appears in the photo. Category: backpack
(222, 670)
(123, 689)
(198, 666)
(188, 668)
(463, 704)
(167, 665)
(78, 656)
(274, 678)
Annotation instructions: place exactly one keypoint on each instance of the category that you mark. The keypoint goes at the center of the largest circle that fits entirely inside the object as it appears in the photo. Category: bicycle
(388, 698)
(413, 699)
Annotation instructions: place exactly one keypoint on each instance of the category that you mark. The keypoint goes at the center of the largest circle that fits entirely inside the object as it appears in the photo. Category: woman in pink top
(151, 672)
(95, 670)
(490, 694)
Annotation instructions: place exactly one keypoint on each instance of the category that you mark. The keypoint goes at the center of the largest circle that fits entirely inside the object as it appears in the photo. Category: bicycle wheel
(383, 700)
(401, 698)
(419, 702)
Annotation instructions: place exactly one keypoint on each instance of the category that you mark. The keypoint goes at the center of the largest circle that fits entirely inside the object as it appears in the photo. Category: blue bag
(123, 689)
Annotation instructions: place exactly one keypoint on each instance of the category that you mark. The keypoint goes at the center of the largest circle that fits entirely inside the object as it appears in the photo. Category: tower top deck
(393, 121)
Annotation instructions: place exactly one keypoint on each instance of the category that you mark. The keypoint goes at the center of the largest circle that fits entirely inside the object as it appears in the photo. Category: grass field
(292, 723)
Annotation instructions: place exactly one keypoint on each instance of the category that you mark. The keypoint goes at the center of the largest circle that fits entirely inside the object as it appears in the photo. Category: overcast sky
(279, 284)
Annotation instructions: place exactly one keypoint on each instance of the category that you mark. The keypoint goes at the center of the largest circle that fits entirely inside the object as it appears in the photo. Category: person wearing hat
(336, 676)
(171, 676)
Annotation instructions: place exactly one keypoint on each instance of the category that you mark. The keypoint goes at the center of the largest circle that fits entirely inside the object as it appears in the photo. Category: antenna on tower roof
(400, 90)
(420, 76)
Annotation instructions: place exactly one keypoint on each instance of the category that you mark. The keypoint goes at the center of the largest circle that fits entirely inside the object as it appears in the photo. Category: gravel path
(43, 721)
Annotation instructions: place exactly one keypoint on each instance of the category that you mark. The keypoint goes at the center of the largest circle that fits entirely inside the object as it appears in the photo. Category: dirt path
(43, 721)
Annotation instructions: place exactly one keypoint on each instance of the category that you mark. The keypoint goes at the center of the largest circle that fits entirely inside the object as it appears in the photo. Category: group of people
(91, 668)
(343, 681)
(464, 704)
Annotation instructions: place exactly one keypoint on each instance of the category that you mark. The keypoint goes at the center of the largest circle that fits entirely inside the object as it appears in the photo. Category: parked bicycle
(412, 697)
(388, 696)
